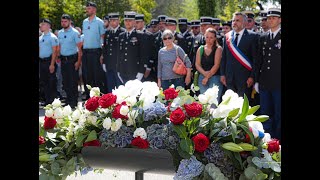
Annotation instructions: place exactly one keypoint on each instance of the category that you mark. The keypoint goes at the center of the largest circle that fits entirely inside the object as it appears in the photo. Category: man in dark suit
(238, 57)
(268, 73)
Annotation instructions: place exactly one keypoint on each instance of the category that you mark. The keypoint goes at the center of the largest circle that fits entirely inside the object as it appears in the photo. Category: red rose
(116, 112)
(92, 143)
(49, 123)
(201, 142)
(92, 104)
(107, 100)
(170, 93)
(194, 109)
(177, 116)
(41, 140)
(140, 143)
(247, 138)
(273, 146)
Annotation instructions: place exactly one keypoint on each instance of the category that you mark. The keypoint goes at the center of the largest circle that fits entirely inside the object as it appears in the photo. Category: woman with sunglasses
(166, 59)
(208, 64)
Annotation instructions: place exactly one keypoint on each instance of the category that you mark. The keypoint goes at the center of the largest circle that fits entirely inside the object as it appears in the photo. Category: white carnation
(76, 115)
(115, 126)
(107, 123)
(56, 103)
(124, 110)
(58, 113)
(67, 111)
(140, 132)
(95, 92)
(92, 120)
(131, 101)
(49, 112)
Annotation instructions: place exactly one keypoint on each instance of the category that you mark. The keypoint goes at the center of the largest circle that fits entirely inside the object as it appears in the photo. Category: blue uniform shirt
(68, 41)
(46, 42)
(92, 33)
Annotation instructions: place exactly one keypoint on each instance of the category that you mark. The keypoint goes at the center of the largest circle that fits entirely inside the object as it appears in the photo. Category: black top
(207, 62)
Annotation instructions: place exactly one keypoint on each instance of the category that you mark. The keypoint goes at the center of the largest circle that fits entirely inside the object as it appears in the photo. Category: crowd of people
(244, 54)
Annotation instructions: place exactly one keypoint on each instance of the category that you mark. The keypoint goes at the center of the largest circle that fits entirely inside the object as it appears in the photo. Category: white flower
(49, 112)
(266, 138)
(131, 101)
(140, 132)
(133, 87)
(221, 112)
(210, 96)
(176, 102)
(56, 103)
(150, 89)
(121, 93)
(124, 110)
(250, 117)
(92, 120)
(132, 115)
(256, 126)
(58, 114)
(95, 92)
(115, 126)
(67, 111)
(171, 86)
(147, 101)
(107, 123)
(104, 111)
(229, 93)
(82, 119)
(76, 115)
(59, 120)
(203, 99)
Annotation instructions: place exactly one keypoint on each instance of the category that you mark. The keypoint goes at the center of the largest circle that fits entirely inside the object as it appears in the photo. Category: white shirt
(239, 36)
(115, 29)
(275, 32)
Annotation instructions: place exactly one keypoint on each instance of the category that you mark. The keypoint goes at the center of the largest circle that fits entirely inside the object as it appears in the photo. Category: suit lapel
(241, 42)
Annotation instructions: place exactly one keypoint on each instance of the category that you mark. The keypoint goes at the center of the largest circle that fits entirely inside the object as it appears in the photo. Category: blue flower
(188, 169)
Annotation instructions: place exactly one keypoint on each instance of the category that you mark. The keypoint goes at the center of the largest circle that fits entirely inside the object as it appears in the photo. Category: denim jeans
(165, 84)
(214, 80)
(270, 102)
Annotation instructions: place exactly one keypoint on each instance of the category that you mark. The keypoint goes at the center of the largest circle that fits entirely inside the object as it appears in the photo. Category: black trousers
(48, 80)
(92, 72)
(70, 78)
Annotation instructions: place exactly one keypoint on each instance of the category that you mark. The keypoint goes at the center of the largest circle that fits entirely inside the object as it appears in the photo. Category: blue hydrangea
(156, 111)
(162, 137)
(121, 138)
(85, 170)
(188, 169)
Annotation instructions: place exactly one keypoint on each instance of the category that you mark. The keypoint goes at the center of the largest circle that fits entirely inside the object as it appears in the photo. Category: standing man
(183, 27)
(106, 22)
(216, 25)
(48, 49)
(238, 57)
(132, 55)
(194, 41)
(110, 51)
(205, 23)
(154, 25)
(250, 23)
(226, 27)
(264, 24)
(93, 31)
(269, 74)
(70, 55)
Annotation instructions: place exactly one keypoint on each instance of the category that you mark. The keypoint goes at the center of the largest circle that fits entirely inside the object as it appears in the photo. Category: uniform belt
(92, 50)
(45, 59)
(71, 57)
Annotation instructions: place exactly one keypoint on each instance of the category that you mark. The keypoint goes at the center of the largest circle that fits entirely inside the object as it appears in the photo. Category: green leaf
(196, 88)
(261, 176)
(233, 113)
(194, 125)
(248, 132)
(180, 130)
(70, 148)
(250, 172)
(183, 154)
(80, 140)
(261, 118)
(213, 132)
(225, 102)
(92, 136)
(253, 109)
(186, 99)
(245, 108)
(238, 158)
(247, 147)
(43, 177)
(186, 145)
(232, 147)
(233, 131)
(55, 168)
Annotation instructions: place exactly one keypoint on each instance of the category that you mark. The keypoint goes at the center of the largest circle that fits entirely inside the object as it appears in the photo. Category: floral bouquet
(207, 140)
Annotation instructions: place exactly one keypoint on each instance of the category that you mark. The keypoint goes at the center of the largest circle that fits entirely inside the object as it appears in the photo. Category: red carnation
(194, 109)
(49, 123)
(92, 143)
(41, 140)
(107, 100)
(140, 143)
(273, 146)
(201, 142)
(92, 104)
(170, 93)
(116, 112)
(177, 116)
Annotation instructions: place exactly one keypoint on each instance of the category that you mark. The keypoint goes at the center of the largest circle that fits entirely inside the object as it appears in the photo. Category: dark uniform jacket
(268, 70)
(193, 43)
(231, 67)
(111, 43)
(180, 41)
(132, 55)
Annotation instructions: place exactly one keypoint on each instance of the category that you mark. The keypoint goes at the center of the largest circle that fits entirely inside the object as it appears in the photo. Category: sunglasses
(167, 38)
(249, 20)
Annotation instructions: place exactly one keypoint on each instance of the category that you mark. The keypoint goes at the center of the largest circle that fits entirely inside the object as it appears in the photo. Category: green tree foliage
(143, 7)
(190, 10)
(207, 8)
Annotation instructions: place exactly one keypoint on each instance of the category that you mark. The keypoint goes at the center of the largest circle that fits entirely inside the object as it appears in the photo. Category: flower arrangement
(207, 140)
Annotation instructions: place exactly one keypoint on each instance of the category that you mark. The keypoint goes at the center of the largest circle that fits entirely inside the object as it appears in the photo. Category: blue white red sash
(236, 52)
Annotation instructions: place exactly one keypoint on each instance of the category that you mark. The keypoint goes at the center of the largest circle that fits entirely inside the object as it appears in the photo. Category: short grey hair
(245, 17)
(167, 32)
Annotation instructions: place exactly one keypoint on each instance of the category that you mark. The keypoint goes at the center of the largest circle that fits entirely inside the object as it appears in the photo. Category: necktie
(128, 34)
(271, 36)
(236, 39)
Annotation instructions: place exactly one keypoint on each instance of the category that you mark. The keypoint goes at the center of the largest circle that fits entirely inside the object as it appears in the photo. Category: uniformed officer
(70, 56)
(215, 24)
(93, 30)
(226, 27)
(205, 23)
(250, 20)
(106, 22)
(48, 49)
(154, 25)
(194, 41)
(263, 19)
(150, 74)
(171, 24)
(110, 51)
(132, 55)
(189, 27)
(183, 27)
(158, 35)
(268, 73)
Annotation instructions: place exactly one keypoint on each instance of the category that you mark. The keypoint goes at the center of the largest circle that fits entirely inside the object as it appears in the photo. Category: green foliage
(207, 8)
(143, 7)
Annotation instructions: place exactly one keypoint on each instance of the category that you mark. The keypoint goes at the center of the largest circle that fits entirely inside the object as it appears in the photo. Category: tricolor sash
(236, 52)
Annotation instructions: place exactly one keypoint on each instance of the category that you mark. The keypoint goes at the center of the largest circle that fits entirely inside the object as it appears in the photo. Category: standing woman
(166, 59)
(208, 63)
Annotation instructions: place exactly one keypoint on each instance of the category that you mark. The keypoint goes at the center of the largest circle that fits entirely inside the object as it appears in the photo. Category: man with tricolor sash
(238, 57)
